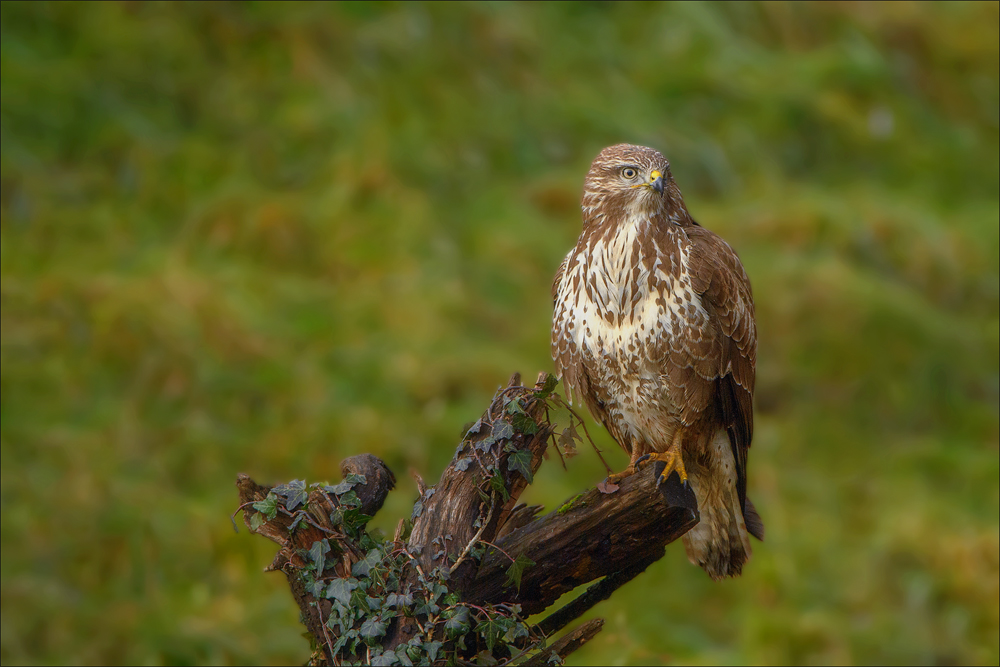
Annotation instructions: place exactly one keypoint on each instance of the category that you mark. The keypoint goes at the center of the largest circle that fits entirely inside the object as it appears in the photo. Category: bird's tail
(719, 544)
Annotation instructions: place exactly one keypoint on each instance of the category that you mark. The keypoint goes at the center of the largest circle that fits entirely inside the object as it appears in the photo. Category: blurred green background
(261, 238)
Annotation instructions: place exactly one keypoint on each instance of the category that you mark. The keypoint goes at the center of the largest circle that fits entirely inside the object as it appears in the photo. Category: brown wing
(718, 276)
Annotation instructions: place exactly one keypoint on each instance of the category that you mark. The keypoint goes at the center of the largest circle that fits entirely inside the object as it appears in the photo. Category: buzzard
(654, 330)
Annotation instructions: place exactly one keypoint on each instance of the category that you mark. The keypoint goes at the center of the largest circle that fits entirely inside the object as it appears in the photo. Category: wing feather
(720, 279)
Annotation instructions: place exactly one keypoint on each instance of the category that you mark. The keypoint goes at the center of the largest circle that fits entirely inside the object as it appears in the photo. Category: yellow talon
(672, 460)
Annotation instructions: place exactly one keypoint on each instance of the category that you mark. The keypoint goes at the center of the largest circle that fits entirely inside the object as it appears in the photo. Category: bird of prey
(654, 330)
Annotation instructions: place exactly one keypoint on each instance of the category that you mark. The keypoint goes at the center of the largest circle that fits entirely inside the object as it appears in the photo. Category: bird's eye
(629, 173)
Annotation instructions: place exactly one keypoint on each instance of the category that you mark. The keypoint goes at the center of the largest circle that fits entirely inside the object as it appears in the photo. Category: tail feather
(753, 521)
(719, 544)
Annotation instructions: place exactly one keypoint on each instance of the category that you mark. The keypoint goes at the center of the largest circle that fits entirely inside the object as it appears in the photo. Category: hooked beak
(656, 181)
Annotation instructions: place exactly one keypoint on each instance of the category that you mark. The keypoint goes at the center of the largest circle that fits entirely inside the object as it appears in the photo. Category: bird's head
(627, 180)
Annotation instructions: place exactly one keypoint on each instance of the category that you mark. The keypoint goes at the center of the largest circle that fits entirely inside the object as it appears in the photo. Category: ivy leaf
(340, 488)
(372, 628)
(340, 590)
(339, 644)
(432, 649)
(299, 518)
(502, 431)
(547, 388)
(315, 586)
(492, 629)
(356, 478)
(317, 553)
(256, 521)
(515, 632)
(487, 442)
(294, 493)
(268, 506)
(523, 423)
(463, 464)
(364, 566)
(401, 654)
(521, 462)
(385, 659)
(458, 622)
(497, 483)
(516, 569)
(486, 659)
(515, 407)
(397, 600)
(426, 609)
(438, 590)
(350, 499)
(474, 429)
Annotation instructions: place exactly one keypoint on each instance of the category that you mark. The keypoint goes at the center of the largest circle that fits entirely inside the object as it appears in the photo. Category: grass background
(261, 238)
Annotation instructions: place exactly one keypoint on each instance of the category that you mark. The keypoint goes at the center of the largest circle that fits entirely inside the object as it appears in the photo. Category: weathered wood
(593, 536)
(590, 536)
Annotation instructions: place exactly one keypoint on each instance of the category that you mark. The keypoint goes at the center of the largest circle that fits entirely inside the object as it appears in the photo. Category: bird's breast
(623, 295)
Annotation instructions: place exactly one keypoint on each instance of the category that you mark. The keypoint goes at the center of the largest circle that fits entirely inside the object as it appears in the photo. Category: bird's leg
(671, 458)
(633, 467)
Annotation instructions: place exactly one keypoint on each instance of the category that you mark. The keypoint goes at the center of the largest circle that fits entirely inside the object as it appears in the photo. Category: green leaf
(337, 489)
(385, 659)
(426, 609)
(364, 566)
(474, 429)
(515, 632)
(458, 621)
(294, 493)
(523, 423)
(496, 481)
(397, 600)
(521, 462)
(432, 649)
(350, 499)
(502, 431)
(372, 628)
(487, 442)
(516, 569)
(550, 385)
(463, 464)
(402, 654)
(492, 629)
(515, 407)
(340, 590)
(268, 506)
(317, 553)
(486, 659)
(256, 521)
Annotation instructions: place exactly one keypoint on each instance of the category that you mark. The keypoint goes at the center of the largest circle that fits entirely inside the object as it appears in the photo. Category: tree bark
(467, 530)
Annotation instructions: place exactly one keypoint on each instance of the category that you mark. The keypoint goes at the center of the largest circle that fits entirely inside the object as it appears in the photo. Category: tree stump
(457, 580)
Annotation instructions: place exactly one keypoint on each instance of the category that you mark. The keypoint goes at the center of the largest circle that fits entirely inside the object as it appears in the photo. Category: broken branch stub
(475, 563)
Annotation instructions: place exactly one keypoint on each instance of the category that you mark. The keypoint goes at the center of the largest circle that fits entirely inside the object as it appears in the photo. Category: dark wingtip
(755, 525)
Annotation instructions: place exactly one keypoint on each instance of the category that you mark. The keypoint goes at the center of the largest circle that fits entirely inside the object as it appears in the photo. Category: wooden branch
(590, 536)
(466, 531)
(568, 643)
